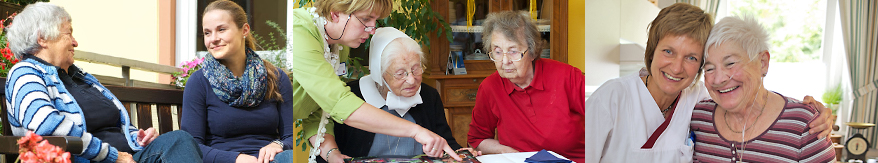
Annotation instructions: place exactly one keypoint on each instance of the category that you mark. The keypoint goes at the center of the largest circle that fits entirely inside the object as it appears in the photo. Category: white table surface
(513, 157)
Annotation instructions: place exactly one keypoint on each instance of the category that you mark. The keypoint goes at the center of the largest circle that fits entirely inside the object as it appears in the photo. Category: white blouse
(621, 115)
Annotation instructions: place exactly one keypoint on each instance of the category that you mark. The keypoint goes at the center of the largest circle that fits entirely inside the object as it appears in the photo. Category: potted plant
(832, 98)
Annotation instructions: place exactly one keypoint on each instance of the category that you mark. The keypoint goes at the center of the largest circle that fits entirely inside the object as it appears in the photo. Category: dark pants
(174, 146)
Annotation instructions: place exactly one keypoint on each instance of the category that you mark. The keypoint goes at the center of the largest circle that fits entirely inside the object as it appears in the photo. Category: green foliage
(278, 56)
(833, 97)
(795, 27)
(356, 68)
(416, 19)
(413, 17)
(23, 3)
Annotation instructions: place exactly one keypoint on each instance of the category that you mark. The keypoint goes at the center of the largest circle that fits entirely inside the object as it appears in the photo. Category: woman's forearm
(375, 120)
(328, 143)
(493, 146)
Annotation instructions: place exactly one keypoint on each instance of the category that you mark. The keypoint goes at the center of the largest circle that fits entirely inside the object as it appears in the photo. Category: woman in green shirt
(319, 95)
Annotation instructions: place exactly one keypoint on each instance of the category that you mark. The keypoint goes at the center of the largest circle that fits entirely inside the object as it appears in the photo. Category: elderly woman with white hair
(745, 122)
(50, 96)
(394, 85)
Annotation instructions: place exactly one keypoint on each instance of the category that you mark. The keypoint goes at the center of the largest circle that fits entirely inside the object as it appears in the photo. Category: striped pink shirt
(786, 140)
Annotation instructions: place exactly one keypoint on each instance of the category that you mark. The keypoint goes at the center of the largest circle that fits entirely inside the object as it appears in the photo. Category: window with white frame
(806, 46)
(796, 43)
(189, 40)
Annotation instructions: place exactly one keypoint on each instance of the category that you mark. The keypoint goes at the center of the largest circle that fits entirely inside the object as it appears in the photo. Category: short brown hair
(679, 19)
(514, 25)
(324, 7)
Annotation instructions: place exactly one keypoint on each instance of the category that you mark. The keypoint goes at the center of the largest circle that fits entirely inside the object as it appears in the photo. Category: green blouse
(316, 87)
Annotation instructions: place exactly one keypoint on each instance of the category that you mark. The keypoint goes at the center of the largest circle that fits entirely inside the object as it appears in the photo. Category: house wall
(126, 29)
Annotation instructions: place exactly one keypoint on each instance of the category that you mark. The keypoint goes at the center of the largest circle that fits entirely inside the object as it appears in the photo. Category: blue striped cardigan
(39, 102)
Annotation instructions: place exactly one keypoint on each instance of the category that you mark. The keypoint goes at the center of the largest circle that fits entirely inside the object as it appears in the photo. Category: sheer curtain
(710, 6)
(859, 18)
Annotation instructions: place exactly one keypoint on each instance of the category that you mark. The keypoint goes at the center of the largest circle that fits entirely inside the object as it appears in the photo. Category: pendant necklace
(740, 153)
(664, 111)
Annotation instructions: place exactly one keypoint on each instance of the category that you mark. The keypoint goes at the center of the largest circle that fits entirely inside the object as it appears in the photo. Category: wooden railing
(127, 65)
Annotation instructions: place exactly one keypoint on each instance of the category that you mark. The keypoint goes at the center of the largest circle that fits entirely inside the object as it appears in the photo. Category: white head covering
(383, 36)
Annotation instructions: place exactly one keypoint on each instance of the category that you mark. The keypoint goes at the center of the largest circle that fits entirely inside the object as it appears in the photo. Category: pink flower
(199, 60)
(192, 64)
(34, 149)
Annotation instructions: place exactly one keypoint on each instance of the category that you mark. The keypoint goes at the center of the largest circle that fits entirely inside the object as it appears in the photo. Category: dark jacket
(354, 142)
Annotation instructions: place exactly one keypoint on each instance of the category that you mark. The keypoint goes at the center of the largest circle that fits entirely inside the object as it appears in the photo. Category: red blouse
(547, 114)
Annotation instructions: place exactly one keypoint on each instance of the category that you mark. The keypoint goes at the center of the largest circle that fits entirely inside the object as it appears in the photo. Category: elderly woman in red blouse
(532, 103)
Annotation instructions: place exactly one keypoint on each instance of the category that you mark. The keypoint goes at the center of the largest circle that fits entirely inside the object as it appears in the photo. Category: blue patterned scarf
(246, 91)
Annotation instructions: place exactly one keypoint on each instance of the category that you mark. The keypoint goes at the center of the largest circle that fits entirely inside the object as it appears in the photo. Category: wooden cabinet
(459, 91)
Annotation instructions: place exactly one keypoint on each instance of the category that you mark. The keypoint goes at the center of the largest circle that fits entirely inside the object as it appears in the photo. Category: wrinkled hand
(471, 150)
(124, 157)
(146, 137)
(822, 124)
(434, 144)
(267, 153)
(336, 157)
(244, 158)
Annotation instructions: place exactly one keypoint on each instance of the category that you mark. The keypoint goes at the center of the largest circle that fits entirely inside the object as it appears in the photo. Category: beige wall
(127, 29)
(607, 21)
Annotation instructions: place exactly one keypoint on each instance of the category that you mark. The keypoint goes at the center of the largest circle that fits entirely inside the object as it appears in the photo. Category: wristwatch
(278, 142)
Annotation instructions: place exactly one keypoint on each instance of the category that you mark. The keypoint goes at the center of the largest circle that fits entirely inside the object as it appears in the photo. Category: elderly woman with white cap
(394, 85)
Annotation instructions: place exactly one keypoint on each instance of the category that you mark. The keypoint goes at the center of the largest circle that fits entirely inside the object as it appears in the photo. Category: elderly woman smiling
(394, 84)
(744, 121)
(49, 95)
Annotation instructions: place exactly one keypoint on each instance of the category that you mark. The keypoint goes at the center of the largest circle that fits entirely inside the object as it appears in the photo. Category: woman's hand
(244, 158)
(471, 150)
(434, 144)
(124, 157)
(266, 154)
(336, 157)
(146, 137)
(821, 124)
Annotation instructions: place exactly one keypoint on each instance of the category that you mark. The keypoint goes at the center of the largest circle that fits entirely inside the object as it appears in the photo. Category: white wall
(635, 18)
(608, 21)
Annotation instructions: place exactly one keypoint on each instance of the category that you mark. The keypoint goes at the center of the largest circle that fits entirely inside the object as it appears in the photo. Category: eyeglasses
(417, 71)
(497, 55)
(368, 28)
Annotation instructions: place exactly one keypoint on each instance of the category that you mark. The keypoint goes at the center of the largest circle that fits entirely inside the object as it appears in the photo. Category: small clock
(857, 146)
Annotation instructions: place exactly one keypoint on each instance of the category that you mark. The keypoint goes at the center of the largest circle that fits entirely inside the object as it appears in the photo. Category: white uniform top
(621, 115)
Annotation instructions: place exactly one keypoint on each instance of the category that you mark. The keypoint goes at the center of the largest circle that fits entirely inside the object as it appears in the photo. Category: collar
(38, 59)
(369, 90)
(535, 84)
(73, 70)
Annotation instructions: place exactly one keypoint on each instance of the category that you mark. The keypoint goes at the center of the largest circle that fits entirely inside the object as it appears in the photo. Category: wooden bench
(147, 107)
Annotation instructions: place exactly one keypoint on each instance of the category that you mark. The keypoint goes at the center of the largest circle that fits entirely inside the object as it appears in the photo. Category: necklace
(740, 153)
(746, 127)
(664, 111)
(395, 149)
